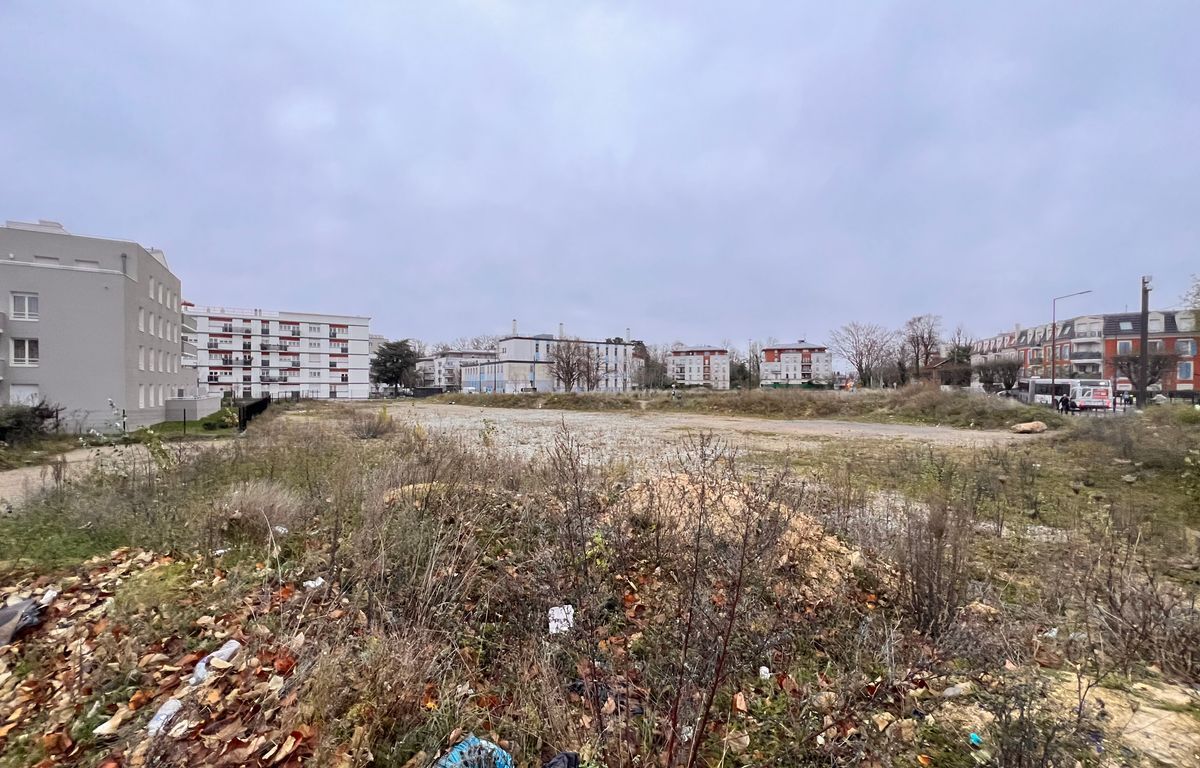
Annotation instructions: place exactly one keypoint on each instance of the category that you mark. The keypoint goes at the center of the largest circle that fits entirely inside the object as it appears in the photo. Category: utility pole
(1054, 344)
(1143, 372)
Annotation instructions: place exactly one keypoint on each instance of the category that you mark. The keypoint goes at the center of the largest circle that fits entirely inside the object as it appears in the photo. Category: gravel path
(648, 434)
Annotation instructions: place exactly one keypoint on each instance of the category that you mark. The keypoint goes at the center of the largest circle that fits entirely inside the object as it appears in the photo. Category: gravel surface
(650, 434)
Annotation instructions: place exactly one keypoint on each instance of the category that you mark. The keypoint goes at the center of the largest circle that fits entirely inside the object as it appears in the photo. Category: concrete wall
(192, 408)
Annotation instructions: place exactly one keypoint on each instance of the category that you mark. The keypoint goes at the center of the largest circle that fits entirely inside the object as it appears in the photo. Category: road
(643, 434)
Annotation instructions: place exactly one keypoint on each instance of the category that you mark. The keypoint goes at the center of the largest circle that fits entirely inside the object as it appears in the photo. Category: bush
(23, 423)
(368, 426)
(225, 418)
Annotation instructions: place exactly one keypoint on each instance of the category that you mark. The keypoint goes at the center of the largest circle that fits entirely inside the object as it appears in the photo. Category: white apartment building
(792, 365)
(443, 369)
(702, 366)
(256, 352)
(526, 364)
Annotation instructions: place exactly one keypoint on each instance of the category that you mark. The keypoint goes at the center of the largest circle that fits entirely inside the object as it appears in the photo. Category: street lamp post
(1054, 340)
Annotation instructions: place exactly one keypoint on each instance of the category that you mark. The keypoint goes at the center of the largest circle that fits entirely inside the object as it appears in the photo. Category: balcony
(230, 328)
(1087, 354)
(268, 347)
(273, 379)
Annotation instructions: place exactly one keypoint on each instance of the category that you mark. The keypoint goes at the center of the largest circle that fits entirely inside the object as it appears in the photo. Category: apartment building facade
(526, 364)
(89, 324)
(1089, 345)
(795, 364)
(443, 369)
(699, 366)
(255, 352)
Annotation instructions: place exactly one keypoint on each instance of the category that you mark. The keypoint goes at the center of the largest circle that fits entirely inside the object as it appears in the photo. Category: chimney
(561, 333)
(514, 326)
(628, 336)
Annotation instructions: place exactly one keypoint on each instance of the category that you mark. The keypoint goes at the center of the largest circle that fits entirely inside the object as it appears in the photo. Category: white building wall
(700, 368)
(524, 365)
(791, 367)
(253, 352)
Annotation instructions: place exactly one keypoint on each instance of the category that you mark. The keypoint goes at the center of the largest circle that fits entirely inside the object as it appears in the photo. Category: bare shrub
(370, 426)
(933, 561)
(256, 510)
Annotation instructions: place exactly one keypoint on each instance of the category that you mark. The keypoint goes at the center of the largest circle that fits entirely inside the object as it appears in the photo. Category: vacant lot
(722, 595)
(647, 433)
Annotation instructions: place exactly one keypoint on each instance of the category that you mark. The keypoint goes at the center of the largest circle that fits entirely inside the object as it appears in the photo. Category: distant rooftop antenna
(514, 326)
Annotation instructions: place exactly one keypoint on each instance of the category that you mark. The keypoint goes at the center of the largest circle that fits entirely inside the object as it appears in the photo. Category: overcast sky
(694, 171)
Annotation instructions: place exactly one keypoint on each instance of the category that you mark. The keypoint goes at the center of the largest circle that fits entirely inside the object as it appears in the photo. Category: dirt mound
(820, 562)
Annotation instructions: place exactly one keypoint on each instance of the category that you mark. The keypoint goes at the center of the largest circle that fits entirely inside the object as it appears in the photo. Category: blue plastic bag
(474, 752)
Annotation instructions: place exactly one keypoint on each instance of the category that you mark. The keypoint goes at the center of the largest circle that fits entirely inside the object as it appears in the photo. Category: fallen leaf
(924, 759)
(110, 726)
(739, 702)
(139, 699)
(737, 741)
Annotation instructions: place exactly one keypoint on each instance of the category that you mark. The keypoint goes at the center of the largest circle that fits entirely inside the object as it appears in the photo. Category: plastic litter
(562, 618)
(163, 716)
(49, 597)
(764, 673)
(315, 583)
(474, 752)
(976, 740)
(563, 760)
(16, 618)
(224, 653)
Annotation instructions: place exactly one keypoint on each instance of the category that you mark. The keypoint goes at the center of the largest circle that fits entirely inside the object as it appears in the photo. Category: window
(162, 394)
(314, 328)
(161, 322)
(1185, 347)
(314, 374)
(1156, 324)
(152, 287)
(1185, 371)
(141, 395)
(1124, 347)
(141, 320)
(1157, 346)
(25, 352)
(1185, 321)
(160, 301)
(152, 360)
(314, 345)
(141, 359)
(24, 306)
(1126, 325)
(161, 359)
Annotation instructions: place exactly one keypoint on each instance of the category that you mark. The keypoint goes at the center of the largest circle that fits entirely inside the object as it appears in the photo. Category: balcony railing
(230, 328)
(273, 379)
(268, 347)
(1087, 354)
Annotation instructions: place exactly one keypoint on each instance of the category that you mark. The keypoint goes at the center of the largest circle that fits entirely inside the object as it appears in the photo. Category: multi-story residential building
(90, 324)
(701, 366)
(792, 365)
(526, 364)
(443, 369)
(1087, 346)
(1172, 332)
(256, 352)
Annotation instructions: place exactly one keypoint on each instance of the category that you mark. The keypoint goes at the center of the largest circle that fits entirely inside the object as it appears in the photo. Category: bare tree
(592, 367)
(1191, 299)
(567, 357)
(653, 372)
(1008, 371)
(921, 336)
(1158, 364)
(866, 346)
(956, 369)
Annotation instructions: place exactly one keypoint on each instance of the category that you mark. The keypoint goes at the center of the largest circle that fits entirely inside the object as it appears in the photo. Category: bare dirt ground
(18, 484)
(645, 435)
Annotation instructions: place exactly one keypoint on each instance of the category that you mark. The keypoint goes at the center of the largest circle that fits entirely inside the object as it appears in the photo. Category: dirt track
(648, 434)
